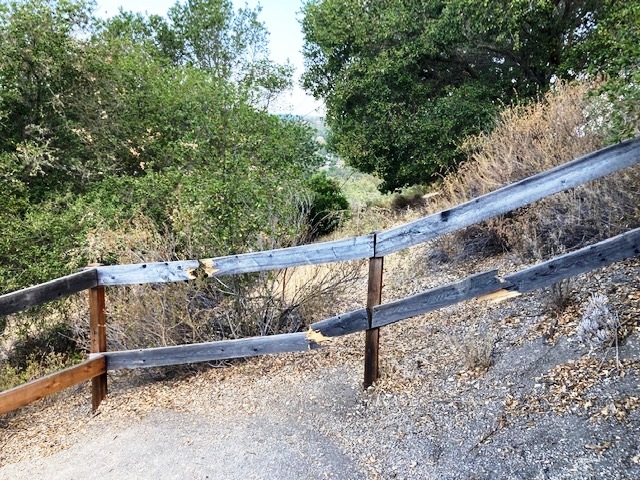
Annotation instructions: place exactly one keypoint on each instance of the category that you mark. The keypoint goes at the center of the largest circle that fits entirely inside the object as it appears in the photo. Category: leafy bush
(361, 189)
(328, 205)
(38, 244)
(54, 339)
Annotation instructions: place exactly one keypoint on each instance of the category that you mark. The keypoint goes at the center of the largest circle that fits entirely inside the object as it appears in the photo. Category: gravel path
(170, 445)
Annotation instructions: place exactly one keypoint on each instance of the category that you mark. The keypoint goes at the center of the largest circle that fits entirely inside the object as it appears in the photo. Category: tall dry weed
(529, 139)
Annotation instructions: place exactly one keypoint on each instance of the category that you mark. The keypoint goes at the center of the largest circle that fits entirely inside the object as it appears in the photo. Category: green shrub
(37, 245)
(57, 339)
(328, 205)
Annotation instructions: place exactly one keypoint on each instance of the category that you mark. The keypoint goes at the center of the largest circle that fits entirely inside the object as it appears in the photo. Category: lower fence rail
(36, 389)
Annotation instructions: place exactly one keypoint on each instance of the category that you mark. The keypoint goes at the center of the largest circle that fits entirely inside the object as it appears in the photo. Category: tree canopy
(102, 121)
(404, 82)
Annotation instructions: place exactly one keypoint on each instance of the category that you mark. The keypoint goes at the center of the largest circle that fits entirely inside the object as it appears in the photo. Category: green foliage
(405, 82)
(210, 36)
(104, 122)
(360, 189)
(614, 50)
(55, 339)
(39, 70)
(328, 204)
(37, 245)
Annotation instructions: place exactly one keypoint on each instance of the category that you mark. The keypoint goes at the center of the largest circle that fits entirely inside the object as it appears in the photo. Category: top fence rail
(569, 175)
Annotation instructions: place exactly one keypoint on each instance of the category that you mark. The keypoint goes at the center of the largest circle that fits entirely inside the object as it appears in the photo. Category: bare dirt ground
(548, 406)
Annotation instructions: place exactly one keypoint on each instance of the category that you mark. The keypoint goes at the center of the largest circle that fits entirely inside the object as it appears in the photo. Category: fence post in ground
(374, 298)
(98, 339)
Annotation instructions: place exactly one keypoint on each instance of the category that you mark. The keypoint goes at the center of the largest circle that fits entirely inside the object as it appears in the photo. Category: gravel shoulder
(548, 407)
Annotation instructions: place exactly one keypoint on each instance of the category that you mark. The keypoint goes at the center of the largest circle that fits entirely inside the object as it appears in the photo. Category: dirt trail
(170, 445)
(237, 428)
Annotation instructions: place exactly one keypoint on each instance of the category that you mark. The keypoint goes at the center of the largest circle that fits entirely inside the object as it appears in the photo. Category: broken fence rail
(569, 175)
(487, 285)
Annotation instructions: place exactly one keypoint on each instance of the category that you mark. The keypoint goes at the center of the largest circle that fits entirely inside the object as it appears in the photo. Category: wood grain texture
(98, 341)
(372, 337)
(206, 352)
(46, 292)
(436, 298)
(317, 253)
(36, 389)
(581, 170)
(97, 320)
(612, 250)
(152, 272)
(344, 324)
(374, 286)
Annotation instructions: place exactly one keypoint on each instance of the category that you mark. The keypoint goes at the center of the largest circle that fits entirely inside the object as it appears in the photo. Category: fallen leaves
(571, 387)
(600, 447)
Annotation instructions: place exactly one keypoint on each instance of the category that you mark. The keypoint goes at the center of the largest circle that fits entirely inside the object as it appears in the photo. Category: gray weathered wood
(571, 174)
(335, 251)
(612, 250)
(436, 298)
(206, 352)
(46, 292)
(344, 324)
(152, 272)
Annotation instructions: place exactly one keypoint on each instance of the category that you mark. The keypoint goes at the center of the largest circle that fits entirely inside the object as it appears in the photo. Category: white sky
(280, 18)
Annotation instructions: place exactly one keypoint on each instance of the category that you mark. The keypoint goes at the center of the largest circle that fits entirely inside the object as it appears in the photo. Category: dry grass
(560, 296)
(530, 139)
(477, 350)
(265, 303)
(527, 139)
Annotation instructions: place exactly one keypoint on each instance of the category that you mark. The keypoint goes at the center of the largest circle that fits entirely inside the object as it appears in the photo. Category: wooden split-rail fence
(375, 246)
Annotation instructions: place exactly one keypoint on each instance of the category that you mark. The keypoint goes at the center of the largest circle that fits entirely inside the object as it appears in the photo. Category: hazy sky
(280, 18)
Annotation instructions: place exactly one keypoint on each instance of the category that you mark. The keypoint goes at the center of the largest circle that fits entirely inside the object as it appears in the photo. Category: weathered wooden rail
(487, 285)
(483, 285)
(48, 385)
(47, 292)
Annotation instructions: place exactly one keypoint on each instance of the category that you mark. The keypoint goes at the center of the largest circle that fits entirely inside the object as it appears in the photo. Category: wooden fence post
(374, 298)
(98, 339)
